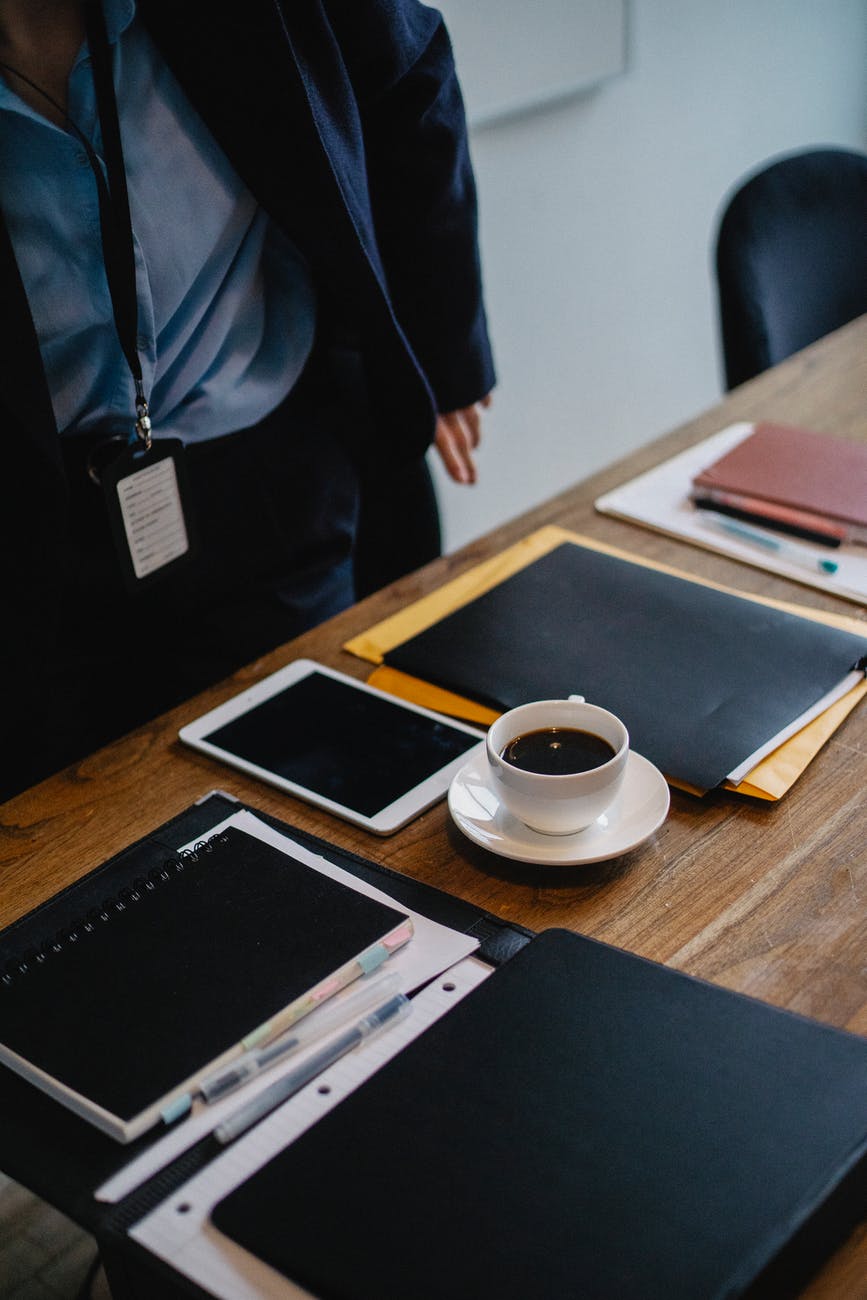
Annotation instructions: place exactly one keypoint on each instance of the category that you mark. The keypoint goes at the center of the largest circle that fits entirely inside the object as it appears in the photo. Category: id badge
(147, 497)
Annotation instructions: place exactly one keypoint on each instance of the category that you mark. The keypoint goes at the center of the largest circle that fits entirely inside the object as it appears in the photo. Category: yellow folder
(770, 779)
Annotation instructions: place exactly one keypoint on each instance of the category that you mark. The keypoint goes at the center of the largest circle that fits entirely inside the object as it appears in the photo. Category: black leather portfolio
(585, 1123)
(702, 678)
(62, 1156)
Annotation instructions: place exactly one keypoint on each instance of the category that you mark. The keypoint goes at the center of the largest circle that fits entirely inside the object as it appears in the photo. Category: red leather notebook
(792, 476)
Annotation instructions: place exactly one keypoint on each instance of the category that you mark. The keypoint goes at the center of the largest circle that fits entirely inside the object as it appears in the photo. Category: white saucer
(638, 810)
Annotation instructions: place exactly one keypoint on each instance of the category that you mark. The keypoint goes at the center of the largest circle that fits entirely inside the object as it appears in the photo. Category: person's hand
(458, 434)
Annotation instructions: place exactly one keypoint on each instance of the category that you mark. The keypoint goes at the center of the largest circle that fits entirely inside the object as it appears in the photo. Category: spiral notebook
(124, 990)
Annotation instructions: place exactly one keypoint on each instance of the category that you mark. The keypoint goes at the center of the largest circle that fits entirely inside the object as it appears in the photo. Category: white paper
(180, 1231)
(743, 770)
(659, 499)
(432, 949)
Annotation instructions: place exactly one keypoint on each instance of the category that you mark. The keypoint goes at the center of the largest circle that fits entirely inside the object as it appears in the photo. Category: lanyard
(118, 250)
(144, 485)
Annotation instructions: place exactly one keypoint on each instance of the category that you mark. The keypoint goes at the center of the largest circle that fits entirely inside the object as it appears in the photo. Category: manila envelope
(770, 779)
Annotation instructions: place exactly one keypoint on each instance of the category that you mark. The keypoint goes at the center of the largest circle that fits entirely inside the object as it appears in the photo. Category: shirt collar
(118, 16)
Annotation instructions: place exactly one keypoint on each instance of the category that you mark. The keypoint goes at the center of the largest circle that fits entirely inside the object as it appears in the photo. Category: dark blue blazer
(345, 119)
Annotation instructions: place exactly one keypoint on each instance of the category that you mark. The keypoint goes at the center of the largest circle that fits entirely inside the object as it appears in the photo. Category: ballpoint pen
(323, 1021)
(388, 1013)
(756, 537)
(362, 966)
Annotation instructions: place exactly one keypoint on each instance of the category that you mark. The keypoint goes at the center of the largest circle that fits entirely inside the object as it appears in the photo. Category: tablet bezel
(384, 822)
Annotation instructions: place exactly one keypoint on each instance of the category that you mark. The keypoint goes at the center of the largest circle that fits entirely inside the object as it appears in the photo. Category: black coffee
(558, 751)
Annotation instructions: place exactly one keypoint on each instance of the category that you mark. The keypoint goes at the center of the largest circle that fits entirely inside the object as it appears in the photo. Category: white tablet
(337, 743)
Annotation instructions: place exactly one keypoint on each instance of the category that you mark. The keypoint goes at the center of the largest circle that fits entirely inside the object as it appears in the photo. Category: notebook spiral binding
(140, 887)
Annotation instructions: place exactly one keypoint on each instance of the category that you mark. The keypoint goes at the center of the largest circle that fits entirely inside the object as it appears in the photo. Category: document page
(180, 1232)
(660, 499)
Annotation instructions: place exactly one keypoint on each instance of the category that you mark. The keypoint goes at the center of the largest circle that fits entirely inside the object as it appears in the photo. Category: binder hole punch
(183, 1207)
(324, 1089)
(449, 986)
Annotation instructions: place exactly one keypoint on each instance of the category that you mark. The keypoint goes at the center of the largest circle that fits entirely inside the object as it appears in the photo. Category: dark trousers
(276, 510)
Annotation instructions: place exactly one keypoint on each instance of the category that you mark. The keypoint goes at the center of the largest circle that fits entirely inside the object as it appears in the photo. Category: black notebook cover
(585, 1123)
(126, 986)
(701, 678)
(63, 1158)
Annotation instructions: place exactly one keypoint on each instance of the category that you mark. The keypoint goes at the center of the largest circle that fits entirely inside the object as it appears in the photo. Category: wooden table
(768, 899)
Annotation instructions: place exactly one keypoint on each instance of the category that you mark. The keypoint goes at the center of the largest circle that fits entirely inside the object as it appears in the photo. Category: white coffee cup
(562, 803)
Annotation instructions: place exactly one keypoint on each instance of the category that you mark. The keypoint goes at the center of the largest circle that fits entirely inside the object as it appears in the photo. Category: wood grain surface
(769, 899)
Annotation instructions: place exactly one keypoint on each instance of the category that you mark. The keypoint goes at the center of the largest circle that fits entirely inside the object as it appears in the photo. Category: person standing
(239, 283)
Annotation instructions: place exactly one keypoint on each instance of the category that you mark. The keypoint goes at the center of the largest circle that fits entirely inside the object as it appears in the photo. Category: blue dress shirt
(226, 307)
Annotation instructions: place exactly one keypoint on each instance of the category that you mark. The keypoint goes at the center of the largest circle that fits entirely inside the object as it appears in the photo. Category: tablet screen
(356, 748)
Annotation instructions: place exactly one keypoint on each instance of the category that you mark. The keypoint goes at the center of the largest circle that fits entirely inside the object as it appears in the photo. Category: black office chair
(791, 257)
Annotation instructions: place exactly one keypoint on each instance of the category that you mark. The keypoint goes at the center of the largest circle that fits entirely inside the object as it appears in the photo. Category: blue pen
(756, 537)
(324, 1020)
(394, 1009)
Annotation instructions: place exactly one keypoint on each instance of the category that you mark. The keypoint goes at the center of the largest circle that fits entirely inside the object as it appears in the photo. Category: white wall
(597, 221)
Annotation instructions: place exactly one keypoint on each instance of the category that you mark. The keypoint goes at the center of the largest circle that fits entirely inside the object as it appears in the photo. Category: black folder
(702, 678)
(585, 1123)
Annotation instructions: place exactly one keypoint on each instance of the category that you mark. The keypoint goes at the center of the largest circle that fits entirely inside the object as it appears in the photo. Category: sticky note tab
(374, 957)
